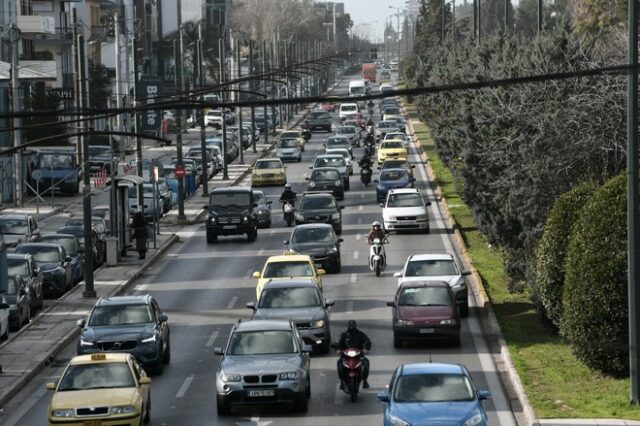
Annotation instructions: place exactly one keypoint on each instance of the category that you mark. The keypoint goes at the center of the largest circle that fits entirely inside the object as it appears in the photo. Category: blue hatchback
(392, 179)
(433, 393)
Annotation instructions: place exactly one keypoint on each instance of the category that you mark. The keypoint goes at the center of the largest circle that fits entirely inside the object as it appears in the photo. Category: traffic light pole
(221, 59)
(177, 53)
(203, 136)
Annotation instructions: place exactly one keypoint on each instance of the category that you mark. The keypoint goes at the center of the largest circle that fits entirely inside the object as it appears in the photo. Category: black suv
(231, 212)
(327, 179)
(318, 241)
(319, 208)
(318, 119)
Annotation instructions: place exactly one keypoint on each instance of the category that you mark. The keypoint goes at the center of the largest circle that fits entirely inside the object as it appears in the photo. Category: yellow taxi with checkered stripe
(101, 389)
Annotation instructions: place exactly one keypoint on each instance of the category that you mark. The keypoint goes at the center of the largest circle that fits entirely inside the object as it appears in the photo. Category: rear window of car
(325, 175)
(318, 115)
(329, 162)
(268, 165)
(317, 203)
(393, 175)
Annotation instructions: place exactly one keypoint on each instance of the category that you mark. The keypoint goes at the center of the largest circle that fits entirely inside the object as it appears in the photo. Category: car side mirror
(80, 323)
(67, 258)
(428, 203)
(306, 178)
(307, 348)
(206, 207)
(341, 208)
(381, 205)
(341, 240)
(145, 381)
(251, 305)
(256, 274)
(269, 202)
(163, 318)
(376, 181)
(412, 179)
(328, 303)
(4, 306)
(391, 304)
(383, 396)
(51, 386)
(413, 166)
(322, 272)
(310, 167)
(484, 394)
(286, 242)
(218, 351)
(466, 273)
(397, 274)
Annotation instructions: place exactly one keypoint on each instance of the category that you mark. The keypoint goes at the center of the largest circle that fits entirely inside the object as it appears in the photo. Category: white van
(347, 110)
(357, 88)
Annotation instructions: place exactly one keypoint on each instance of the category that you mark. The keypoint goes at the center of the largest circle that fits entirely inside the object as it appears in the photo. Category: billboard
(150, 120)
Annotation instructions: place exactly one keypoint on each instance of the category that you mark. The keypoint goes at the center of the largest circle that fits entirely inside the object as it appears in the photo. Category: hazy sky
(369, 15)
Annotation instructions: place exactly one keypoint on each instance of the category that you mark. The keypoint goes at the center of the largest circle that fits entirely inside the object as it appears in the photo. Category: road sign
(180, 171)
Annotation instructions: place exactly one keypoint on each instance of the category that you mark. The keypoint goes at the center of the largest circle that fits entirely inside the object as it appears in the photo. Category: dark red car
(328, 106)
(425, 310)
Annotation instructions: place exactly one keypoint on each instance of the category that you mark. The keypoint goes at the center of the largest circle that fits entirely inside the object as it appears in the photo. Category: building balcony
(30, 24)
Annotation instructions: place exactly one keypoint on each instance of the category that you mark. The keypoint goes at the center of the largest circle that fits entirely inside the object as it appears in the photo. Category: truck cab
(56, 169)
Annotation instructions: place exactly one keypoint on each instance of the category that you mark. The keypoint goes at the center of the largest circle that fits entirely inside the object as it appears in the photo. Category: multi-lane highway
(203, 289)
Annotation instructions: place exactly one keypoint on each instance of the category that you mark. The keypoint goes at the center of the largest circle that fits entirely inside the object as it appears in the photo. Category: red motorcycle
(354, 369)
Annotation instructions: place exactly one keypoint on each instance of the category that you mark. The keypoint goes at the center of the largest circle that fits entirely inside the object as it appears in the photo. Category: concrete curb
(10, 392)
(487, 317)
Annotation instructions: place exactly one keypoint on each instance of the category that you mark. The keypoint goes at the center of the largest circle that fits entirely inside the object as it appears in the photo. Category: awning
(27, 71)
(128, 181)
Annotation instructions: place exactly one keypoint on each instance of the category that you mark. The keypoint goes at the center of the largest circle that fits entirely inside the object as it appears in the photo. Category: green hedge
(595, 290)
(551, 251)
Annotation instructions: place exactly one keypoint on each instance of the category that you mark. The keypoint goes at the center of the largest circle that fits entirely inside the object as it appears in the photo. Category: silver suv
(265, 362)
(300, 301)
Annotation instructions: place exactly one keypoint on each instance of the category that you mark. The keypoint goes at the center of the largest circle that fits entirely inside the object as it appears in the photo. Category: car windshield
(258, 198)
(391, 145)
(396, 136)
(425, 296)
(393, 164)
(317, 115)
(103, 375)
(107, 315)
(12, 286)
(40, 253)
(288, 269)
(325, 175)
(285, 135)
(288, 143)
(268, 165)
(18, 267)
(214, 114)
(346, 130)
(329, 162)
(262, 342)
(391, 110)
(55, 161)
(230, 199)
(99, 150)
(431, 268)
(387, 124)
(66, 242)
(13, 226)
(312, 235)
(292, 297)
(433, 388)
(350, 108)
(405, 200)
(393, 174)
(357, 90)
(317, 203)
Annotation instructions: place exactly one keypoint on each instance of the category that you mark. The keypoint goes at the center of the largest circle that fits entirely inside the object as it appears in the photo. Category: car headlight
(65, 412)
(397, 421)
(13, 308)
(449, 322)
(312, 184)
(123, 409)
(422, 217)
(317, 324)
(228, 378)
(150, 339)
(85, 343)
(335, 216)
(213, 219)
(245, 219)
(332, 250)
(298, 216)
(460, 283)
(473, 421)
(404, 322)
(337, 183)
(290, 375)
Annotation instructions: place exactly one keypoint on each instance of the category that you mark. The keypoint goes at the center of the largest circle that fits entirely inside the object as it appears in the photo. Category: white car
(214, 118)
(348, 110)
(405, 210)
(347, 157)
(437, 267)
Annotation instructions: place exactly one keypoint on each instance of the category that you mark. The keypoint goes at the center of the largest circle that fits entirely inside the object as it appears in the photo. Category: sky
(369, 15)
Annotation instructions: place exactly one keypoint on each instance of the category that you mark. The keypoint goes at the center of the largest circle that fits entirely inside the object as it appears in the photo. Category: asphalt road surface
(203, 289)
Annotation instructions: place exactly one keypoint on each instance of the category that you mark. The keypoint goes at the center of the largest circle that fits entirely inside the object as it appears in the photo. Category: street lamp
(397, 15)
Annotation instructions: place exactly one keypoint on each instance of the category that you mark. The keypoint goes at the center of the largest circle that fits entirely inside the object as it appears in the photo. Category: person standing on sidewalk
(140, 233)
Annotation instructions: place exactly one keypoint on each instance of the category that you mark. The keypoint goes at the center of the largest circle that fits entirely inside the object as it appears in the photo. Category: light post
(397, 15)
(155, 206)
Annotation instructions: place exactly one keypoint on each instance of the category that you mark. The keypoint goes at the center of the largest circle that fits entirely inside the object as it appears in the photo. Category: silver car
(334, 160)
(264, 362)
(289, 149)
(350, 132)
(346, 154)
(300, 301)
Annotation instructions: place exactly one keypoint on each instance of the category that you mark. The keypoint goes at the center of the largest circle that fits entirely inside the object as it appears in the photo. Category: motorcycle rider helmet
(287, 186)
(375, 225)
(352, 325)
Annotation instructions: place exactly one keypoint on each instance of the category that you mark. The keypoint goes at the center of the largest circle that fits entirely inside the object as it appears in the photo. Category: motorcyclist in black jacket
(356, 339)
(288, 195)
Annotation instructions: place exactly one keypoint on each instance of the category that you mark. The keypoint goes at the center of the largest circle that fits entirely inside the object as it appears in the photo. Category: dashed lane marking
(232, 302)
(354, 278)
(212, 339)
(185, 386)
(356, 255)
(350, 307)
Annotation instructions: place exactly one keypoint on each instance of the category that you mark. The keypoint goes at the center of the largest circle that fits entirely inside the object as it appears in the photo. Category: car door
(66, 264)
(139, 373)
(34, 231)
(36, 278)
(162, 326)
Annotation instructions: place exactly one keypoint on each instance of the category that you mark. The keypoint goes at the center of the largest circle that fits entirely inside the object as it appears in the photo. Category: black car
(318, 119)
(319, 208)
(99, 248)
(55, 264)
(132, 324)
(327, 179)
(99, 224)
(72, 246)
(319, 241)
(231, 212)
(18, 299)
(263, 209)
(27, 268)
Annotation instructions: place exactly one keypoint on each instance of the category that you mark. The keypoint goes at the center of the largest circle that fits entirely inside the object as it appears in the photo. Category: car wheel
(464, 309)
(147, 415)
(158, 367)
(211, 238)
(5, 335)
(308, 388)
(223, 406)
(397, 343)
(302, 404)
(347, 185)
(252, 235)
(426, 231)
(167, 353)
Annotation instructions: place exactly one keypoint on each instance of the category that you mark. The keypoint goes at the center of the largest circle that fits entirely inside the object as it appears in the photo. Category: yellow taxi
(293, 134)
(391, 149)
(288, 266)
(102, 389)
(268, 171)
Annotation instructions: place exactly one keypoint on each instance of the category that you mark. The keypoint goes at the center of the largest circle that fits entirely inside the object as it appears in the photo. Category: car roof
(326, 168)
(108, 357)
(431, 256)
(279, 283)
(338, 137)
(425, 283)
(312, 225)
(395, 169)
(58, 236)
(404, 191)
(258, 325)
(431, 368)
(42, 245)
(232, 189)
(14, 215)
(22, 256)
(267, 159)
(144, 299)
(328, 156)
(318, 194)
(288, 258)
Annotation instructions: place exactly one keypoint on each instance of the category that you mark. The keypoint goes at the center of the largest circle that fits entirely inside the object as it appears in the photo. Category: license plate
(229, 227)
(92, 423)
(427, 330)
(261, 393)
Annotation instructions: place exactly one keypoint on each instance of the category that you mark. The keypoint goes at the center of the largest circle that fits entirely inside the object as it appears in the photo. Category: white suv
(437, 267)
(348, 110)
(214, 118)
(405, 209)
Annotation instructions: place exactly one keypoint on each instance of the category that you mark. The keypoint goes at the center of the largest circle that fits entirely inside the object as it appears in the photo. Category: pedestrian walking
(140, 233)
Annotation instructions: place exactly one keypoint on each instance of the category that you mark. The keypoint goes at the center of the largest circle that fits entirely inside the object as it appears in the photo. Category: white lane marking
(350, 307)
(354, 277)
(362, 195)
(273, 231)
(361, 208)
(212, 339)
(261, 251)
(356, 255)
(232, 302)
(141, 287)
(338, 399)
(358, 237)
(185, 386)
(254, 421)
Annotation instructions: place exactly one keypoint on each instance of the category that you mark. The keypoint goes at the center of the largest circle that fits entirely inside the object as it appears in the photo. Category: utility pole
(475, 20)
(160, 53)
(203, 135)
(76, 79)
(17, 121)
(221, 59)
(443, 22)
(506, 16)
(113, 214)
(633, 220)
(266, 90)
(540, 16)
(136, 119)
(177, 54)
(253, 89)
(89, 290)
(272, 67)
(239, 86)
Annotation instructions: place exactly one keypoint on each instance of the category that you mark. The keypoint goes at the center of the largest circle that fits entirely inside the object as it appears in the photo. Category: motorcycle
(288, 210)
(365, 172)
(369, 150)
(306, 134)
(354, 369)
(377, 256)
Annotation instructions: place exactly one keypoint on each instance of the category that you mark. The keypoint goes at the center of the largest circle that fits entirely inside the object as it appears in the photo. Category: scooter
(365, 173)
(306, 134)
(377, 256)
(354, 369)
(288, 210)
(369, 150)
